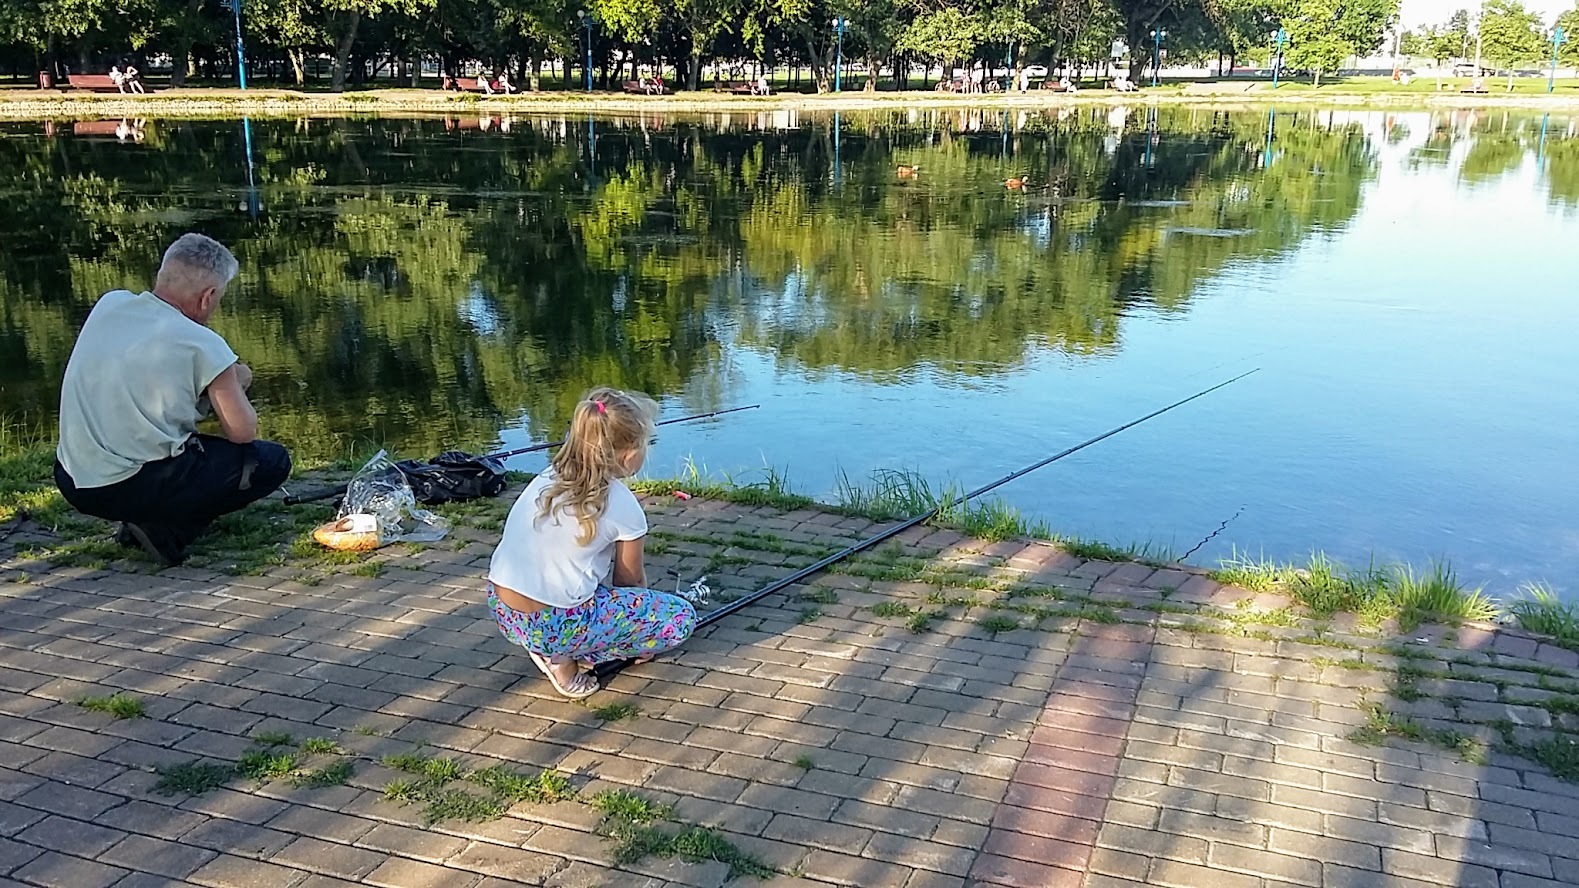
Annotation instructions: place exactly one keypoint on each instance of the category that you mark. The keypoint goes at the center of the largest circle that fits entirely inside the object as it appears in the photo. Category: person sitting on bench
(144, 371)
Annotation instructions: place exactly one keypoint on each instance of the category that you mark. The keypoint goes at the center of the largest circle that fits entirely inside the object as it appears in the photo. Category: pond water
(1404, 282)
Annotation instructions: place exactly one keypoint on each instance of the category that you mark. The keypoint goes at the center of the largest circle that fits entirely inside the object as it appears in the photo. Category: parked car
(1467, 69)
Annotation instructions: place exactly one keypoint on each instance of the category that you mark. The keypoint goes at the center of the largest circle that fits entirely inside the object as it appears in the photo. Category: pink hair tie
(601, 408)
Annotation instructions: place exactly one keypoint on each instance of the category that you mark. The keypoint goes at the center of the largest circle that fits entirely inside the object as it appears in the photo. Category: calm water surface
(1404, 281)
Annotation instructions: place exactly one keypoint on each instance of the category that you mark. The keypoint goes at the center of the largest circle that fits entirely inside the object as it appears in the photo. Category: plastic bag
(380, 489)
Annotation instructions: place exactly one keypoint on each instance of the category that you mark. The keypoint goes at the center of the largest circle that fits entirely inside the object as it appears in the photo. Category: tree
(948, 35)
(1510, 34)
(1322, 33)
(291, 26)
(1568, 53)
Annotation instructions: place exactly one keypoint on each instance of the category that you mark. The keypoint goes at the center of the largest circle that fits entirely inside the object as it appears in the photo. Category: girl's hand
(629, 572)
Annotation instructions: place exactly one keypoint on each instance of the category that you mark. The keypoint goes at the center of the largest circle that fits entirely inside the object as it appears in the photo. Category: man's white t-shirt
(132, 387)
(542, 560)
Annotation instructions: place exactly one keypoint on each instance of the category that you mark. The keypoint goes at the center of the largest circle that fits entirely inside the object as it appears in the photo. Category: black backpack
(453, 476)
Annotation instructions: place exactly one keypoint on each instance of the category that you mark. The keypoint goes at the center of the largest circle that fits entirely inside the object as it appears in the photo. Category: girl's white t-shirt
(542, 559)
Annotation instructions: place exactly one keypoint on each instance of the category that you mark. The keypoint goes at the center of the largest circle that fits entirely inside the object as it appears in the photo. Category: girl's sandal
(583, 685)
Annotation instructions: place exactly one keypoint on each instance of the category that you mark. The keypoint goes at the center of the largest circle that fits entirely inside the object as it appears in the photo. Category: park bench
(1052, 85)
(92, 82)
(94, 127)
(738, 87)
(650, 88)
(467, 84)
(1476, 86)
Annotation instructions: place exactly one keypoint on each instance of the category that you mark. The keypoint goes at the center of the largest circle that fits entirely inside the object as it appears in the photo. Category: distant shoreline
(23, 105)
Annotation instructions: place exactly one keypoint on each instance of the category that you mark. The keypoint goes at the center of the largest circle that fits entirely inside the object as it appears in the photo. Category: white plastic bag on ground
(380, 489)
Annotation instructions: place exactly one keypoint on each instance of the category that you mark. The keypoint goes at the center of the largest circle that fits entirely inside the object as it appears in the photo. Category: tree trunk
(1315, 79)
(696, 65)
(183, 47)
(342, 55)
(872, 67)
(296, 65)
(537, 73)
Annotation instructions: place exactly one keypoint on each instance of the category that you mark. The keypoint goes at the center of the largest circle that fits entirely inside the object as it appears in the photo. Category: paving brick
(321, 824)
(226, 871)
(401, 873)
(145, 855)
(1152, 844)
(71, 836)
(1436, 870)
(506, 863)
(1013, 873)
(842, 869)
(1212, 828)
(235, 837)
(1282, 867)
(68, 801)
(818, 834)
(54, 870)
(919, 854)
(1054, 825)
(1174, 874)
(1050, 851)
(1531, 863)
(421, 844)
(14, 854)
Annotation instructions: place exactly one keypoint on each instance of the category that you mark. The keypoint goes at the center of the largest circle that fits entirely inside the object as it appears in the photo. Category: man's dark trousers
(174, 500)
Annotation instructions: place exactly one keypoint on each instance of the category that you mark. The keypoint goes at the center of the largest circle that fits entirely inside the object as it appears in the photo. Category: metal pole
(588, 21)
(1551, 78)
(604, 670)
(1156, 54)
(1277, 58)
(241, 53)
(838, 53)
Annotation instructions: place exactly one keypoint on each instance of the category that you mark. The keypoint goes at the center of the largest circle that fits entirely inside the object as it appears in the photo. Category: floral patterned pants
(614, 624)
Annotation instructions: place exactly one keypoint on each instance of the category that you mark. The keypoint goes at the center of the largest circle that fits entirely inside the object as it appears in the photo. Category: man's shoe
(163, 551)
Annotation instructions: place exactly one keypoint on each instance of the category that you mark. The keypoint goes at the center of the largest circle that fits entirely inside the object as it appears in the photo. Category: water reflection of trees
(424, 281)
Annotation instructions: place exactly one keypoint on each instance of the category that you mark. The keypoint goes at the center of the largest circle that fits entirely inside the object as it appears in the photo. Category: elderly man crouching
(144, 371)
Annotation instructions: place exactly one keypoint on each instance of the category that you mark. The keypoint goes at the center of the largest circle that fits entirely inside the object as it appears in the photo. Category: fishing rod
(607, 669)
(328, 492)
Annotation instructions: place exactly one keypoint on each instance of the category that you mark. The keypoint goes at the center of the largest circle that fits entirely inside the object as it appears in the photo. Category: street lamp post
(1156, 52)
(1558, 39)
(1277, 57)
(838, 52)
(241, 54)
(586, 21)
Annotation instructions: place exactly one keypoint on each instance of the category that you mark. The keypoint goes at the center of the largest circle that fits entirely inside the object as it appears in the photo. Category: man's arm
(237, 419)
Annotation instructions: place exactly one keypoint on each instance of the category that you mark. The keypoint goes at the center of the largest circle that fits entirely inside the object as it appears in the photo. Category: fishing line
(1209, 537)
(606, 669)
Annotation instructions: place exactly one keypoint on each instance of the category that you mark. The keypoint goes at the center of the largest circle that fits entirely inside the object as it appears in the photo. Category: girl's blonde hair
(606, 424)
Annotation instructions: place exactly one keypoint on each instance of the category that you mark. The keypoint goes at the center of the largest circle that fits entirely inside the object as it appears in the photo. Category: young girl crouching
(567, 581)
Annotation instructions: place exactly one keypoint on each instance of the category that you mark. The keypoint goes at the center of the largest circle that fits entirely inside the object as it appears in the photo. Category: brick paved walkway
(1017, 717)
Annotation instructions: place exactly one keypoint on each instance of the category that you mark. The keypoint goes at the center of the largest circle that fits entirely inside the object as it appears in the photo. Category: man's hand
(244, 376)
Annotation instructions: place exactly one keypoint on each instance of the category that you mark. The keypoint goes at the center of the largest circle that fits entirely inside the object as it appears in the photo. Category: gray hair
(197, 262)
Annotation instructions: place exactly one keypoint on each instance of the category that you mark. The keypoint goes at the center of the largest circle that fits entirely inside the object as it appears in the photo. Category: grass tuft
(320, 746)
(804, 762)
(892, 609)
(922, 622)
(263, 765)
(614, 712)
(1381, 724)
(997, 623)
(120, 706)
(1538, 609)
(330, 775)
